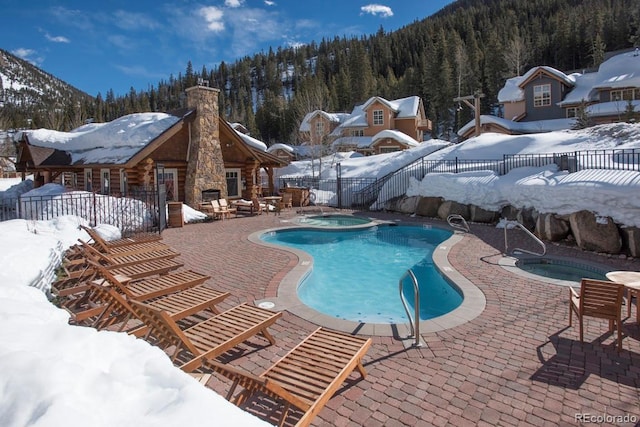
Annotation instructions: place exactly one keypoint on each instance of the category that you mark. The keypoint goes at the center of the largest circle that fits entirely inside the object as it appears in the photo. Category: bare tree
(516, 55)
(309, 98)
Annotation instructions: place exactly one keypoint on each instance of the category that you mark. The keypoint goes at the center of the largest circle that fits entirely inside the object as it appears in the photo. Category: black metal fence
(371, 193)
(138, 212)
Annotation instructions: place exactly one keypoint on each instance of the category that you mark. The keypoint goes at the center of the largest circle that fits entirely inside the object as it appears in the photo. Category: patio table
(631, 282)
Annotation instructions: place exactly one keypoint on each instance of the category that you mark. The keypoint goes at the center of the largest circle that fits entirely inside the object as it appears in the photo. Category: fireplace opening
(211, 194)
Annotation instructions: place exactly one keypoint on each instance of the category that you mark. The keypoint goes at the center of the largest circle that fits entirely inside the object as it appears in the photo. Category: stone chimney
(205, 170)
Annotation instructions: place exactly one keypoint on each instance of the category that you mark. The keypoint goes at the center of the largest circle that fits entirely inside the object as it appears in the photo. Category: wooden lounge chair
(126, 241)
(121, 248)
(306, 377)
(109, 307)
(127, 258)
(210, 338)
(76, 281)
(145, 289)
(600, 299)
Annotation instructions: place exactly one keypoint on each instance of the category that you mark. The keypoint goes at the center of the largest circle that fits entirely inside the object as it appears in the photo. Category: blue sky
(115, 44)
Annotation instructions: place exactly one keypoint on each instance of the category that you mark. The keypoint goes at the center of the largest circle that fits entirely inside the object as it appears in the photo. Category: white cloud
(269, 3)
(233, 3)
(377, 9)
(57, 39)
(213, 16)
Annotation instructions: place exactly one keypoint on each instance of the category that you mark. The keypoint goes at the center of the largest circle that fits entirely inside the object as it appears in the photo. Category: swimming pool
(356, 272)
(333, 220)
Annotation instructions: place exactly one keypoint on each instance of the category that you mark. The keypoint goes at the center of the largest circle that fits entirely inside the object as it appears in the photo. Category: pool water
(333, 221)
(561, 270)
(356, 272)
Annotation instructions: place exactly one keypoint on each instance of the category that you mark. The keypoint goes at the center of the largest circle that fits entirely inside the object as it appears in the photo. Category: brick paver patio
(518, 363)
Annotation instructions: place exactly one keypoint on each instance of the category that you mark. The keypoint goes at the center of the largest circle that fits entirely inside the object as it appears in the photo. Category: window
(320, 128)
(123, 182)
(88, 180)
(357, 132)
(234, 183)
(625, 94)
(105, 178)
(378, 117)
(573, 112)
(542, 95)
(389, 149)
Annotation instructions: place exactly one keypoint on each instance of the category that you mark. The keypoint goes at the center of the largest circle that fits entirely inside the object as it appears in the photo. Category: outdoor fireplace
(210, 194)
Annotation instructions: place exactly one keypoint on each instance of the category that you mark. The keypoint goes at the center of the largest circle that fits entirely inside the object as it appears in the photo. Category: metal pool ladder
(526, 230)
(457, 221)
(414, 322)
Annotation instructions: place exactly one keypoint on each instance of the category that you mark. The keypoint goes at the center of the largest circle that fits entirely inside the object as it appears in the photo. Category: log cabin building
(193, 150)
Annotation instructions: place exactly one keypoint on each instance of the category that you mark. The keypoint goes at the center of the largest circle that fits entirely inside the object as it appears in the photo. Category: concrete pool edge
(473, 304)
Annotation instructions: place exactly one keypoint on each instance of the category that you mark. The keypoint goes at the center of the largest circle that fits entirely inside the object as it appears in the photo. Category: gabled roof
(403, 107)
(305, 126)
(550, 71)
(115, 142)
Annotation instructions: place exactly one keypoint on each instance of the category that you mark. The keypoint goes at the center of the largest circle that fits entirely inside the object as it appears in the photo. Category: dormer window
(378, 117)
(625, 94)
(542, 95)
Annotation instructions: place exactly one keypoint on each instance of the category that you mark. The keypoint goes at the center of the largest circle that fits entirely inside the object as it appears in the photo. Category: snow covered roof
(396, 135)
(305, 126)
(251, 141)
(403, 107)
(511, 92)
(583, 90)
(280, 146)
(549, 70)
(114, 142)
(619, 71)
(521, 127)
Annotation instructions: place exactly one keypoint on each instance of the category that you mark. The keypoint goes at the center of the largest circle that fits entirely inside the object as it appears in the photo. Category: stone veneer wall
(205, 168)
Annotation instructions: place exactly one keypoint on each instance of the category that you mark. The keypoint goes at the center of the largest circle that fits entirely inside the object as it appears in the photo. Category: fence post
(339, 184)
(95, 214)
(456, 169)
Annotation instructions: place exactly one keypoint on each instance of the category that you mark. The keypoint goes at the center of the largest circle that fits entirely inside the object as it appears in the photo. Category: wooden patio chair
(599, 299)
(256, 209)
(305, 378)
(123, 248)
(218, 211)
(210, 338)
(224, 205)
(287, 201)
(108, 306)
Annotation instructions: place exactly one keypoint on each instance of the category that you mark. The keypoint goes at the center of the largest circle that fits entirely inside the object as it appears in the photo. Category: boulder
(509, 212)
(631, 240)
(552, 227)
(406, 205)
(448, 208)
(428, 206)
(527, 217)
(478, 214)
(595, 233)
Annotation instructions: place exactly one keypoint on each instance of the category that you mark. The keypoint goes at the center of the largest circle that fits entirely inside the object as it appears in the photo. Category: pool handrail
(457, 221)
(514, 223)
(415, 322)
